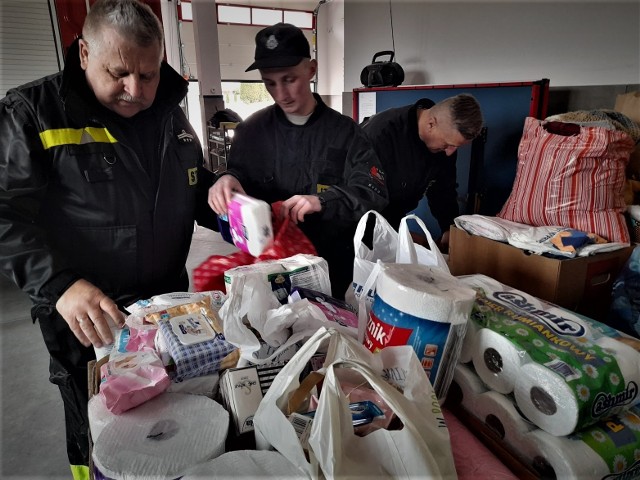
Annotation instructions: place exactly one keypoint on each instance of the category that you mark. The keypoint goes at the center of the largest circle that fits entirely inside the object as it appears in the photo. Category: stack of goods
(559, 390)
(153, 415)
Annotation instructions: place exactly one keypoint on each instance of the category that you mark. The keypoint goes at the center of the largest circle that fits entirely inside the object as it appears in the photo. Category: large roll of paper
(162, 438)
(497, 360)
(426, 308)
(606, 449)
(245, 464)
(501, 415)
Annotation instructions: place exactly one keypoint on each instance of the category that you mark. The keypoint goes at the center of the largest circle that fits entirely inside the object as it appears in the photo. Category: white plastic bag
(333, 448)
(421, 449)
(410, 252)
(389, 246)
(253, 307)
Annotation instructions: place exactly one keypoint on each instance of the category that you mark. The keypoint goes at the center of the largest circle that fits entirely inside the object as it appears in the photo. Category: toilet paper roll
(465, 388)
(500, 414)
(560, 457)
(497, 360)
(609, 446)
(246, 464)
(564, 395)
(99, 416)
(469, 343)
(162, 438)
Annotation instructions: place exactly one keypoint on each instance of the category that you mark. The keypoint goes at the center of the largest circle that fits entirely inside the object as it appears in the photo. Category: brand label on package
(389, 326)
(192, 328)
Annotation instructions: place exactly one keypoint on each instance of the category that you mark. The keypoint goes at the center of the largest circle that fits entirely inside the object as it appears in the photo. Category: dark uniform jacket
(330, 156)
(412, 170)
(77, 201)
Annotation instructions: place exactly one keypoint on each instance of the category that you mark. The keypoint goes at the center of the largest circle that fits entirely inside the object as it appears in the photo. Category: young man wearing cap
(315, 159)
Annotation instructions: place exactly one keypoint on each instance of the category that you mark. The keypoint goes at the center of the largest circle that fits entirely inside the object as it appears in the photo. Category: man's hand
(86, 309)
(222, 191)
(298, 206)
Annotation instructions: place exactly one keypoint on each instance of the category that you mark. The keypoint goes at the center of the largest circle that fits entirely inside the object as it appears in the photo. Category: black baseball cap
(280, 45)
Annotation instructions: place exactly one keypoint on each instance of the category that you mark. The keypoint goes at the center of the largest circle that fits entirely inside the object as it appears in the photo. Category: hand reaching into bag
(298, 206)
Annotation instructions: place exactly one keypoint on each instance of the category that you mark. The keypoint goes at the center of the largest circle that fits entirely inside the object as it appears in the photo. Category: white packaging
(250, 224)
(241, 393)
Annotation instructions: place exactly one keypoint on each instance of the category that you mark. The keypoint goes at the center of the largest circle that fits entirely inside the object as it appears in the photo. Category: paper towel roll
(465, 388)
(497, 360)
(425, 292)
(570, 397)
(469, 343)
(246, 464)
(500, 413)
(426, 308)
(162, 438)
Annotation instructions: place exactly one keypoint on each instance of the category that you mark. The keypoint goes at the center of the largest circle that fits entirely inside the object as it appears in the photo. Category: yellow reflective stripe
(75, 136)
(100, 135)
(80, 472)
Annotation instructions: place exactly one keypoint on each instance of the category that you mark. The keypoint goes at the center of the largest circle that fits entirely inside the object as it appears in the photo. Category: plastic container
(250, 224)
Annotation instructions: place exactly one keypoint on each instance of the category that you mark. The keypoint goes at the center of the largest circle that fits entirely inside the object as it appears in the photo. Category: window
(247, 15)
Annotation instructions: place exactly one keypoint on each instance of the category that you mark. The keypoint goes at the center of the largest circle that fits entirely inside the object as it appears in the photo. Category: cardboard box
(581, 285)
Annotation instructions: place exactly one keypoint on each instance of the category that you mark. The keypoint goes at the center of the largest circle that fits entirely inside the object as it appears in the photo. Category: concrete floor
(32, 437)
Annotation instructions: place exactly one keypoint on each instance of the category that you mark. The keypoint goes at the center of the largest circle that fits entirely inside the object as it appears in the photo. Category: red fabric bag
(571, 178)
(288, 240)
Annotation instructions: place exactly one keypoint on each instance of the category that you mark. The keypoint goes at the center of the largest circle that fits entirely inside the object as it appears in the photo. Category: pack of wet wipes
(250, 224)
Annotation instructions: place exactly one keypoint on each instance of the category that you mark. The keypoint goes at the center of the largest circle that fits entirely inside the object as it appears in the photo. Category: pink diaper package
(130, 379)
(250, 224)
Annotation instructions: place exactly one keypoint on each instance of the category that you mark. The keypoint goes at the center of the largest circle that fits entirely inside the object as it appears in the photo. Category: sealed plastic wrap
(245, 464)
(130, 379)
(195, 342)
(423, 307)
(566, 371)
(606, 449)
(250, 224)
(571, 176)
(161, 439)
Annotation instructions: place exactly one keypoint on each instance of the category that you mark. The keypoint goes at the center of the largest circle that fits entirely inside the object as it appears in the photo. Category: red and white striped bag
(571, 176)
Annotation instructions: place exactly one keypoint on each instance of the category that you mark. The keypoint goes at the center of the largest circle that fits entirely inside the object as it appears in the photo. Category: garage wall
(27, 43)
(448, 42)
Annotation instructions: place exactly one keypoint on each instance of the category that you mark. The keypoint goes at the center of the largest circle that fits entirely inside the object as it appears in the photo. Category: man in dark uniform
(100, 181)
(301, 151)
(417, 147)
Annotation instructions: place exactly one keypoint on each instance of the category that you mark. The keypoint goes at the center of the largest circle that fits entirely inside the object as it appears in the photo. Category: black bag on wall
(382, 74)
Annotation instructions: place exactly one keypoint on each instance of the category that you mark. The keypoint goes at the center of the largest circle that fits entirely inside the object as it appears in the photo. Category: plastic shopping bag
(388, 246)
(421, 448)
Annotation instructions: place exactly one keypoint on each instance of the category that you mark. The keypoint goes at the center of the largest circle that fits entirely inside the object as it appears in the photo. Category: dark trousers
(68, 370)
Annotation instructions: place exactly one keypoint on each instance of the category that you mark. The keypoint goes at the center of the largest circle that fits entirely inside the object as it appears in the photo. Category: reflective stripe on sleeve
(75, 136)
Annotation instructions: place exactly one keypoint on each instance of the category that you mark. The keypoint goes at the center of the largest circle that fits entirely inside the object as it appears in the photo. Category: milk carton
(250, 224)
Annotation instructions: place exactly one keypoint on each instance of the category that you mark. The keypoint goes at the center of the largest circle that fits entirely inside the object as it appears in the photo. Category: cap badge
(271, 42)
